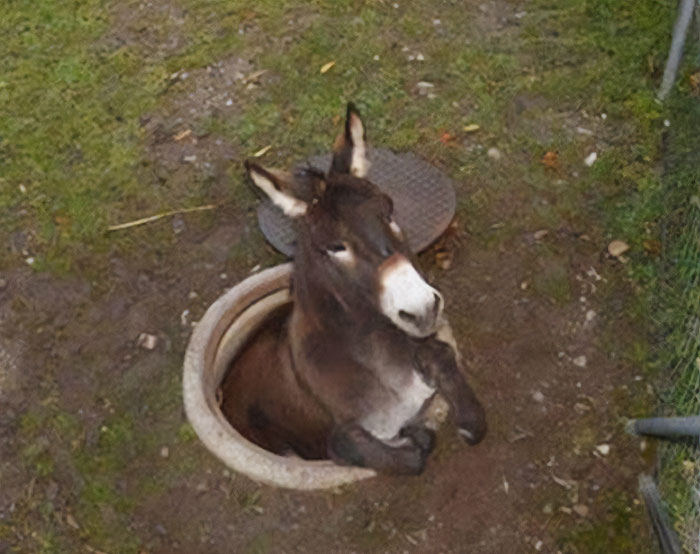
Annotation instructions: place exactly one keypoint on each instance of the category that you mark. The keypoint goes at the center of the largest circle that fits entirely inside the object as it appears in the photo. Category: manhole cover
(424, 199)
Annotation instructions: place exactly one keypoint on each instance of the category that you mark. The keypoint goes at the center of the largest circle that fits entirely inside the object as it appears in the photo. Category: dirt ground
(553, 392)
(96, 454)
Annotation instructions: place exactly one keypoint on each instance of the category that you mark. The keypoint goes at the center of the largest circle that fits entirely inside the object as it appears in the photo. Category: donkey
(348, 372)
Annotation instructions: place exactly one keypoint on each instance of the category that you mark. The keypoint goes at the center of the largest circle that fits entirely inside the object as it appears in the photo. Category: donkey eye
(336, 248)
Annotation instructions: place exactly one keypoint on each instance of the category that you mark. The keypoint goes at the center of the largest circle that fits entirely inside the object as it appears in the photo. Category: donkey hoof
(472, 435)
(423, 438)
(343, 450)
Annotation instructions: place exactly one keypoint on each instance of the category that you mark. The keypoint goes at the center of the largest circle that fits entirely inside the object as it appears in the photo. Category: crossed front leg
(437, 363)
(351, 444)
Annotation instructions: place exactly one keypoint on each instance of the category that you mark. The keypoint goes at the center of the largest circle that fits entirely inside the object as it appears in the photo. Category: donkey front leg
(437, 364)
(350, 444)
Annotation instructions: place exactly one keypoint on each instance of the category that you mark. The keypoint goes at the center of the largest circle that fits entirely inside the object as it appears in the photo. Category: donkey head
(349, 248)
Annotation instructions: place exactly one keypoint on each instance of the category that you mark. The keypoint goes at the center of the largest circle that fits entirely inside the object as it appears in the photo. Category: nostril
(436, 305)
(409, 318)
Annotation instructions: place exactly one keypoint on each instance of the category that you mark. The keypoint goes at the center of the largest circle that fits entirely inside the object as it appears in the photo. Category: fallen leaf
(446, 137)
(183, 134)
(262, 151)
(566, 483)
(471, 128)
(617, 247)
(551, 160)
(70, 520)
(695, 83)
(254, 76)
(652, 246)
(326, 67)
(62, 220)
(443, 259)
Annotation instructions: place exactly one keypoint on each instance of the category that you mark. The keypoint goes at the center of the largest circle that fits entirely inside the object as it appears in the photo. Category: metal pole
(666, 427)
(668, 540)
(680, 29)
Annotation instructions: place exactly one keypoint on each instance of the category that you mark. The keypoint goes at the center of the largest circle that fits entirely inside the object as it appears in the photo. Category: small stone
(603, 449)
(179, 224)
(590, 315)
(192, 295)
(539, 545)
(537, 396)
(147, 341)
(189, 159)
(581, 509)
(494, 154)
(436, 22)
(164, 452)
(584, 131)
(603, 116)
(424, 87)
(184, 318)
(580, 361)
(667, 123)
(420, 57)
(618, 247)
(590, 159)
(229, 102)
(30, 260)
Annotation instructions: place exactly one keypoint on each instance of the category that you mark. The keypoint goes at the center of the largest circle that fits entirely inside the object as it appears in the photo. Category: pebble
(189, 159)
(539, 545)
(580, 361)
(581, 509)
(590, 159)
(604, 449)
(147, 341)
(494, 154)
(164, 452)
(229, 102)
(537, 396)
(420, 57)
(590, 315)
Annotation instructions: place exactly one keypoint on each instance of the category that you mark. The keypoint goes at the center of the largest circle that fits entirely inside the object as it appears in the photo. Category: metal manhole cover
(424, 199)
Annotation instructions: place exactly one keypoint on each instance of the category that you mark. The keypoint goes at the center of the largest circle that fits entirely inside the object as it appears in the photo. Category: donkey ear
(350, 149)
(276, 187)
